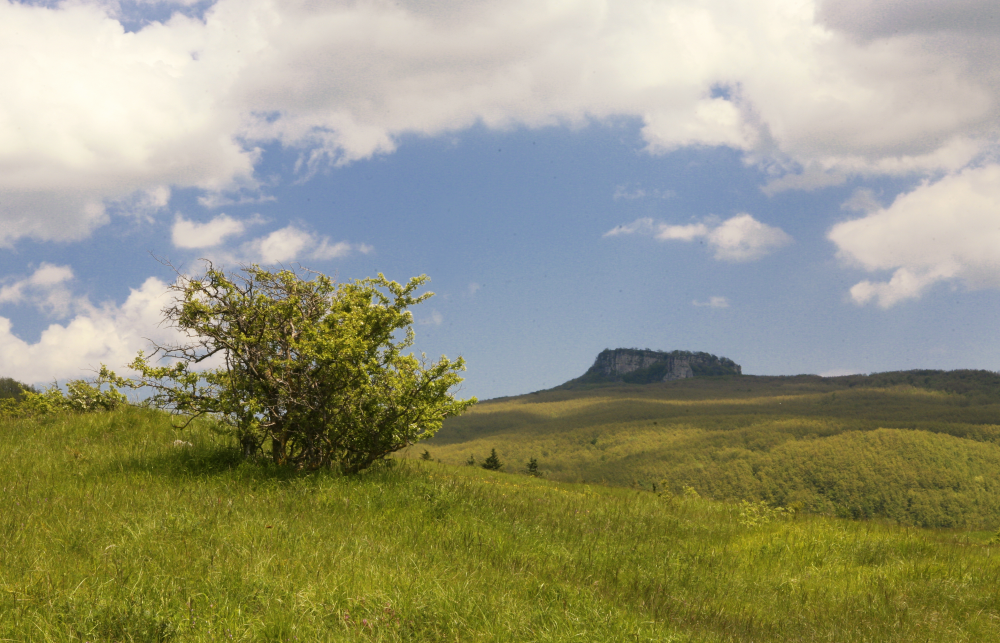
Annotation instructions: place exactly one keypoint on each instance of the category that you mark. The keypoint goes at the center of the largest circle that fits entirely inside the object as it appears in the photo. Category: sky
(802, 186)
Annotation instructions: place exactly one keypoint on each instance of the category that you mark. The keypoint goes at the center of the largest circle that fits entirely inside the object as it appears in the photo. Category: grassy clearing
(851, 447)
(109, 533)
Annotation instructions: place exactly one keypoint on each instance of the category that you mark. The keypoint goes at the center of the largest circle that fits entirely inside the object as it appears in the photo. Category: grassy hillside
(110, 533)
(920, 448)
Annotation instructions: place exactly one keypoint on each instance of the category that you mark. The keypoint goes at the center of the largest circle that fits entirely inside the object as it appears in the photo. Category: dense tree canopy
(312, 369)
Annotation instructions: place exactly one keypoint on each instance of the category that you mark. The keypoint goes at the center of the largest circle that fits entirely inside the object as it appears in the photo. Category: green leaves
(314, 369)
(82, 396)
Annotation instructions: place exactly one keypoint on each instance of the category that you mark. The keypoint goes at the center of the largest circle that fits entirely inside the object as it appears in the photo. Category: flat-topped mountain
(638, 366)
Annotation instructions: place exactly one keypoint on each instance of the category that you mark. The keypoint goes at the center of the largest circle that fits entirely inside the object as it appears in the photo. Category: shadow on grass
(221, 461)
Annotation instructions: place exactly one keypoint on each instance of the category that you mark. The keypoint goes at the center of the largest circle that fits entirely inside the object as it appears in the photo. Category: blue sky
(802, 187)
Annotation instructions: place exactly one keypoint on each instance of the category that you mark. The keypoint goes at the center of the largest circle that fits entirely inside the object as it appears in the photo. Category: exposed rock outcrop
(638, 366)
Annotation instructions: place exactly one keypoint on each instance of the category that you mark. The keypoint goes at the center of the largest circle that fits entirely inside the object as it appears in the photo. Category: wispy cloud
(641, 226)
(712, 302)
(862, 200)
(632, 192)
(191, 234)
(434, 319)
(740, 238)
(290, 244)
(808, 180)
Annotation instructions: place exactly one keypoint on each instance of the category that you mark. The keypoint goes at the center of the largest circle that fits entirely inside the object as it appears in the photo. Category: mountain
(644, 366)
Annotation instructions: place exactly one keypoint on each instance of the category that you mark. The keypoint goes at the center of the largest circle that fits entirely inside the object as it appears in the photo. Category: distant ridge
(645, 366)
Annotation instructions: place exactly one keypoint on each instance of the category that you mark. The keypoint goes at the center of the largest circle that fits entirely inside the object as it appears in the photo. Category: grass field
(110, 533)
(920, 448)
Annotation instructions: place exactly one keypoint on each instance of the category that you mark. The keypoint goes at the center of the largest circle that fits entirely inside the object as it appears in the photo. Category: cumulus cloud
(46, 288)
(93, 115)
(942, 231)
(108, 334)
(740, 238)
(743, 238)
(191, 234)
(870, 19)
(712, 302)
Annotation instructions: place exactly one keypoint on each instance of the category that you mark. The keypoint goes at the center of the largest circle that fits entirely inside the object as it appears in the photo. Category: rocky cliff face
(645, 366)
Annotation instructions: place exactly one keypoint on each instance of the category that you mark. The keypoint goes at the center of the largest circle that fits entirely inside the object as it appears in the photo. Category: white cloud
(943, 231)
(45, 288)
(903, 285)
(99, 116)
(289, 244)
(712, 302)
(281, 245)
(144, 204)
(93, 115)
(191, 234)
(740, 238)
(688, 232)
(644, 226)
(809, 179)
(328, 250)
(473, 288)
(106, 334)
(743, 238)
(862, 200)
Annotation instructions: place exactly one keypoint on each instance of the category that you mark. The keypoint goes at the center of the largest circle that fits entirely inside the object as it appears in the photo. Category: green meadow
(110, 532)
(917, 448)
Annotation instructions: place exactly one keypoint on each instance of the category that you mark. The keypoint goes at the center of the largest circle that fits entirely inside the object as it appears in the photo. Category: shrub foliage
(313, 369)
(81, 396)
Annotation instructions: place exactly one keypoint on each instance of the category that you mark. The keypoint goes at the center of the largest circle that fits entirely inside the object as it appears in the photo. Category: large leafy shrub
(312, 369)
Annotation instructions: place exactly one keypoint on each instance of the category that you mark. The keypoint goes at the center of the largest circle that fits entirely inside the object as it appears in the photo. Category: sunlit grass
(931, 455)
(109, 533)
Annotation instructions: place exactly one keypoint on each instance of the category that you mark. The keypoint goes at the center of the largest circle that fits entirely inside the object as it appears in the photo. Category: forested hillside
(918, 447)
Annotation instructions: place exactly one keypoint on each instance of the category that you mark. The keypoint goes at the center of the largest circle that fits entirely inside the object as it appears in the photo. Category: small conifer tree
(493, 462)
(426, 455)
(533, 467)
